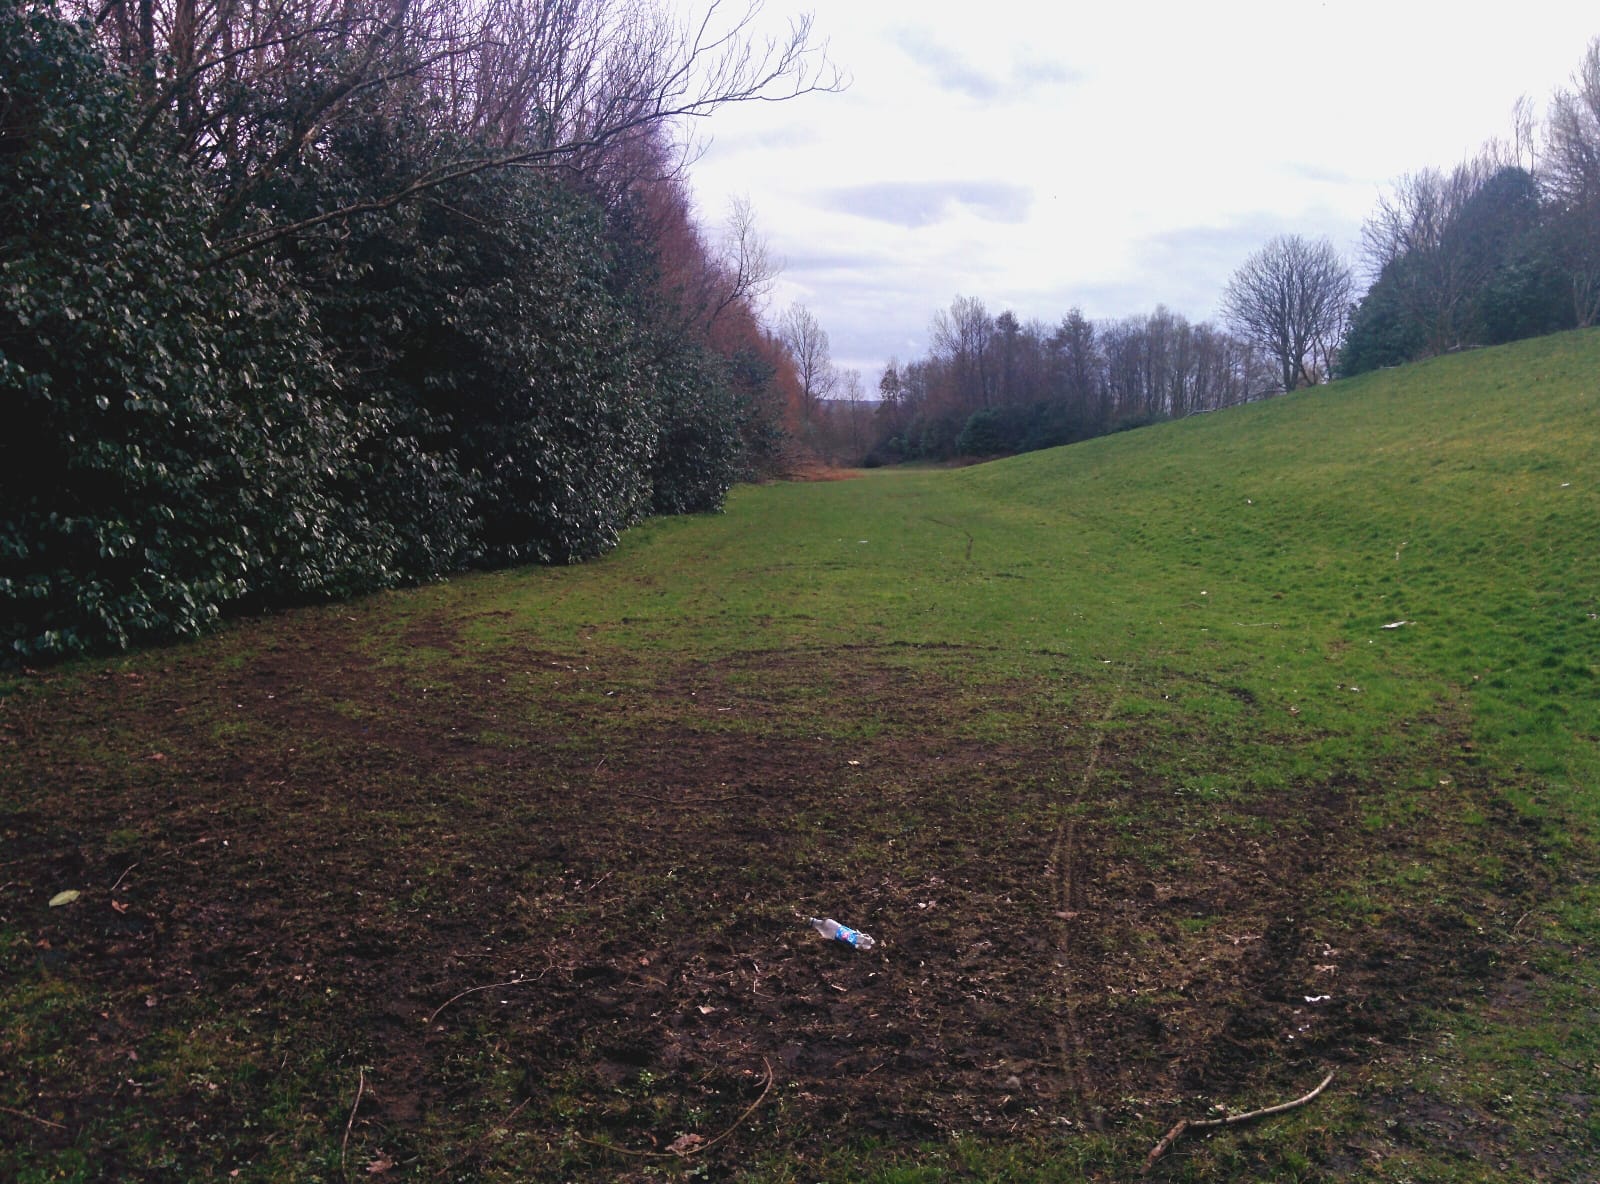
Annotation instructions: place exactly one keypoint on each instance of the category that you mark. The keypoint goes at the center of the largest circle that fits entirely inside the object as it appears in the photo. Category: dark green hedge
(455, 380)
(163, 421)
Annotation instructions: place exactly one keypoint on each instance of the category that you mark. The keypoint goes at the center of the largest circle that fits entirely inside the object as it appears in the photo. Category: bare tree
(807, 342)
(961, 338)
(854, 397)
(1122, 347)
(1572, 171)
(1524, 146)
(1572, 163)
(749, 268)
(1291, 298)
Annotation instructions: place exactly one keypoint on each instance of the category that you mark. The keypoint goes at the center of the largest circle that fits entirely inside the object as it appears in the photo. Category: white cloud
(1113, 159)
(916, 204)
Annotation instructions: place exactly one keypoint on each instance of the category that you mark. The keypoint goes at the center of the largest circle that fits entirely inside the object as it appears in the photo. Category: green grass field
(1173, 771)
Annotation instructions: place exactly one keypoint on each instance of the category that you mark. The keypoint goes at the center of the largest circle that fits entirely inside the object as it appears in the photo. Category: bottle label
(847, 935)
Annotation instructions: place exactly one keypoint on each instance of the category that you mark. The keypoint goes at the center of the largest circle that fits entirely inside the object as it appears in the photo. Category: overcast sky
(1112, 156)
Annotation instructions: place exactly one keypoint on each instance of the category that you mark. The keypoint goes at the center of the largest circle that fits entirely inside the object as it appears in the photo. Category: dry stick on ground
(1176, 1132)
(55, 1126)
(516, 982)
(361, 1088)
(503, 1125)
(953, 526)
(698, 1149)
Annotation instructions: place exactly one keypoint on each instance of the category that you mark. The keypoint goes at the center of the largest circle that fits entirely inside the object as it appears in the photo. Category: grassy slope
(1272, 541)
(1266, 547)
(1216, 588)
(1276, 540)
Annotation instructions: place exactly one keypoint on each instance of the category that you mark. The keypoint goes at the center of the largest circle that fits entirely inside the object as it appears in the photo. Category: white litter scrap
(1398, 624)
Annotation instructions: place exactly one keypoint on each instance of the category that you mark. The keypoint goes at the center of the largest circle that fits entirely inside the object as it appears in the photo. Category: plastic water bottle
(833, 931)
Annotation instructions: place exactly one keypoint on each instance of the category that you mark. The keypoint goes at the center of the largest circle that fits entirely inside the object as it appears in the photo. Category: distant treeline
(1504, 246)
(303, 299)
(992, 385)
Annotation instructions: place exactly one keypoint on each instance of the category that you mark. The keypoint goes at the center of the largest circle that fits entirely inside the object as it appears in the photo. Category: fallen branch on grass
(55, 1126)
(953, 526)
(689, 1145)
(344, 1146)
(1186, 1124)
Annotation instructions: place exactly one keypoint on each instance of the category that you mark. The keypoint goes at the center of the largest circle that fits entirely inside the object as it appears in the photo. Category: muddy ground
(548, 909)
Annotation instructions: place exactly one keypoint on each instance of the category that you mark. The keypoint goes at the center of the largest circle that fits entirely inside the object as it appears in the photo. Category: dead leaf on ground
(686, 1144)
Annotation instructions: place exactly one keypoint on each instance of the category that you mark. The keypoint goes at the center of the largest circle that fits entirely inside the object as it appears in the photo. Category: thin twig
(748, 1111)
(504, 1124)
(516, 982)
(55, 1126)
(699, 1149)
(1186, 1124)
(123, 876)
(361, 1088)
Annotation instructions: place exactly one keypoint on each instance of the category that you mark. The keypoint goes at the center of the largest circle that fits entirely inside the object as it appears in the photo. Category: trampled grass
(1123, 749)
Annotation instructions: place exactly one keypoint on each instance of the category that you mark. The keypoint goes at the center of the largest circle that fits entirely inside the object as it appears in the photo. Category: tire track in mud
(1068, 870)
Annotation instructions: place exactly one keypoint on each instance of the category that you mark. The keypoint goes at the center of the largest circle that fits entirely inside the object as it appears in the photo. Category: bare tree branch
(251, 86)
(1186, 1124)
(1572, 170)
